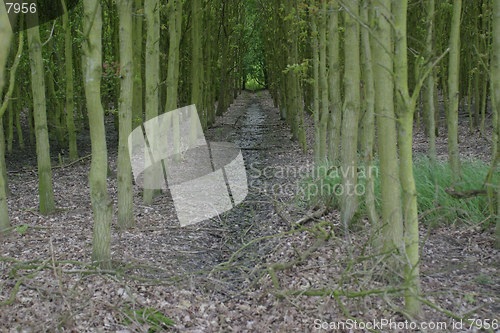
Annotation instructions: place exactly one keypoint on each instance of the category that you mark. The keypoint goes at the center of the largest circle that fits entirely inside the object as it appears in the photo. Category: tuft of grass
(434, 204)
(151, 317)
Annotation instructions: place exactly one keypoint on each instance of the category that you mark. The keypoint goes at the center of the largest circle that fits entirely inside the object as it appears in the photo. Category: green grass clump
(434, 204)
(151, 317)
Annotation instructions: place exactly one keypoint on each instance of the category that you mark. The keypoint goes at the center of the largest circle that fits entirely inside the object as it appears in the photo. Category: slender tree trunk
(392, 222)
(152, 11)
(453, 91)
(350, 117)
(315, 51)
(495, 96)
(124, 172)
(369, 117)
(152, 79)
(19, 109)
(45, 191)
(175, 25)
(174, 28)
(7, 102)
(70, 105)
(428, 100)
(5, 36)
(101, 203)
(406, 110)
(323, 83)
(197, 61)
(55, 106)
(335, 120)
(10, 126)
(221, 105)
(137, 108)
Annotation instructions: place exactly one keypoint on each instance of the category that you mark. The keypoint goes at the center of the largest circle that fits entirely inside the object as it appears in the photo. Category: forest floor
(222, 275)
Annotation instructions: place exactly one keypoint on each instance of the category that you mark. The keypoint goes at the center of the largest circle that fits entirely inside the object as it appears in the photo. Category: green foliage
(434, 204)
(254, 60)
(253, 84)
(151, 317)
(21, 229)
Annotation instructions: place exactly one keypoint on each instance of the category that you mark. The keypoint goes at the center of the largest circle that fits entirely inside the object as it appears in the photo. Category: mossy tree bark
(335, 97)
(453, 92)
(175, 33)
(152, 11)
(315, 85)
(137, 108)
(368, 136)
(392, 223)
(197, 60)
(5, 37)
(45, 191)
(174, 28)
(70, 105)
(406, 110)
(349, 133)
(428, 100)
(101, 203)
(495, 96)
(323, 82)
(9, 103)
(124, 172)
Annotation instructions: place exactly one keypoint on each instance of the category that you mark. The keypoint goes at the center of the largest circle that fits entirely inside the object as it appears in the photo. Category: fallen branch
(301, 258)
(15, 289)
(72, 163)
(450, 314)
(337, 293)
(317, 214)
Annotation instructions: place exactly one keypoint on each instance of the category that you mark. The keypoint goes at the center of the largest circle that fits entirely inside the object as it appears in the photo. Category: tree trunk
(70, 105)
(124, 172)
(323, 83)
(19, 109)
(335, 97)
(152, 76)
(428, 100)
(350, 118)
(174, 28)
(406, 110)
(175, 25)
(197, 61)
(495, 96)
(137, 107)
(101, 203)
(315, 51)
(392, 223)
(45, 191)
(10, 103)
(5, 36)
(369, 117)
(453, 92)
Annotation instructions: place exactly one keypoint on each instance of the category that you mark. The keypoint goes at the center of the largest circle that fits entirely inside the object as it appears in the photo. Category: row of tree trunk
(358, 74)
(148, 59)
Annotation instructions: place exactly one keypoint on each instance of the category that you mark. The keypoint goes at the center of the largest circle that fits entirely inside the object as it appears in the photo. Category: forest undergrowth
(268, 265)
